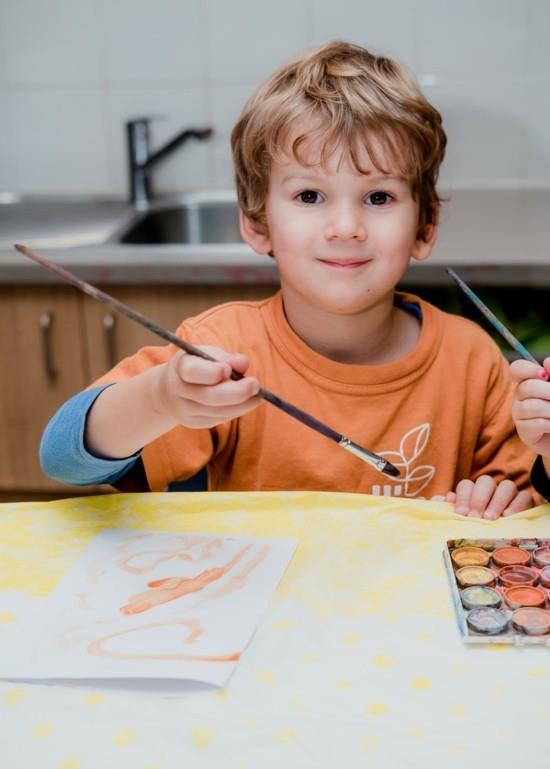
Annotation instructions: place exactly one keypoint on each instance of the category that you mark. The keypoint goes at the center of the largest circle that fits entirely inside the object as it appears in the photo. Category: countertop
(493, 235)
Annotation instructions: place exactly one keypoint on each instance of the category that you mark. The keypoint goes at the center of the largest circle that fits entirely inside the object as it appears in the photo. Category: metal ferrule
(353, 448)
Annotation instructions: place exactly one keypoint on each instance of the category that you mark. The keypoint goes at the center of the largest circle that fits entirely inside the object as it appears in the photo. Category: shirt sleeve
(63, 454)
(539, 479)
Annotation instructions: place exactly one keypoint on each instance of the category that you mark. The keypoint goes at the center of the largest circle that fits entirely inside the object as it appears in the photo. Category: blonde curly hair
(347, 96)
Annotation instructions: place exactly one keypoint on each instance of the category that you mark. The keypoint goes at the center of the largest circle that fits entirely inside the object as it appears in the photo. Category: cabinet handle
(109, 328)
(45, 321)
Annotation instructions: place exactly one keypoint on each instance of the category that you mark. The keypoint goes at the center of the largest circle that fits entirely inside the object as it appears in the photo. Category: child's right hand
(186, 390)
(200, 393)
(531, 405)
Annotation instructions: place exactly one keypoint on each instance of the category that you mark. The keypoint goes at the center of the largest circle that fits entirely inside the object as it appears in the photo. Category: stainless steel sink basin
(59, 222)
(208, 217)
(193, 219)
(190, 238)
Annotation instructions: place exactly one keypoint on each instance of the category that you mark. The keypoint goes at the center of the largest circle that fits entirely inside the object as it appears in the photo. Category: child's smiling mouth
(345, 264)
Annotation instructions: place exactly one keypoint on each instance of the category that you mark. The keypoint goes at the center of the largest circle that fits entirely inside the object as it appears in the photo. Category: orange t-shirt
(441, 413)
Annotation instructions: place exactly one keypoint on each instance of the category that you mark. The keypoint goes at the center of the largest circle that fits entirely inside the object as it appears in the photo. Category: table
(357, 662)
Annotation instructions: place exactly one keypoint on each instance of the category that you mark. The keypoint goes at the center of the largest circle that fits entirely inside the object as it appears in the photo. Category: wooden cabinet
(55, 341)
(43, 363)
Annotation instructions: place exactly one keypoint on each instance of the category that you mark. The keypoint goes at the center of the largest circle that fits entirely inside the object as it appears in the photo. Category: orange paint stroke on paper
(168, 589)
(166, 555)
(239, 580)
(206, 552)
(195, 630)
(126, 565)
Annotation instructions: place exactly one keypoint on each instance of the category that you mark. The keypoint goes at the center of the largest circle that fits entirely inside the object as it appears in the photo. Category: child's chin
(346, 304)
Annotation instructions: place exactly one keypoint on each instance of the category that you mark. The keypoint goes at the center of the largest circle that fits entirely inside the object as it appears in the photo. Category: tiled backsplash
(72, 71)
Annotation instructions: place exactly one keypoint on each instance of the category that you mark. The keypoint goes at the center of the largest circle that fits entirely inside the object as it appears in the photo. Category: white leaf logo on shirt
(413, 479)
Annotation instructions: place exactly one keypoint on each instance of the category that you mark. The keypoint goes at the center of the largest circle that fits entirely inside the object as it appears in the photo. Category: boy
(531, 413)
(336, 158)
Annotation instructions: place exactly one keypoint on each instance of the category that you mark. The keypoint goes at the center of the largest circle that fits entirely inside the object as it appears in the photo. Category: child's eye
(379, 198)
(309, 196)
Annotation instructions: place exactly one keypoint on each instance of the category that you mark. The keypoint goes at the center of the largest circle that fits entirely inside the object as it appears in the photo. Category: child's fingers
(226, 393)
(199, 393)
(535, 433)
(198, 415)
(196, 370)
(504, 495)
(463, 494)
(482, 493)
(533, 389)
(526, 369)
(485, 499)
(534, 410)
(523, 501)
(532, 421)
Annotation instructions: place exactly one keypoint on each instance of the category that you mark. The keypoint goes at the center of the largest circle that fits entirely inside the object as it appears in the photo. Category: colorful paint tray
(500, 589)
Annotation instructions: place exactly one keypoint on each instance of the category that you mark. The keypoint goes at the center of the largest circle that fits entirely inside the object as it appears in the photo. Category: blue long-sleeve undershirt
(63, 455)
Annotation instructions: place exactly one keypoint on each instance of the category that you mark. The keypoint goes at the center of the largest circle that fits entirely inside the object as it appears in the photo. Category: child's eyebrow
(387, 178)
(298, 176)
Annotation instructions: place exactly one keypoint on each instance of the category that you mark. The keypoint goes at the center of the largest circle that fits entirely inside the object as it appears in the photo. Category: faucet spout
(141, 160)
(173, 144)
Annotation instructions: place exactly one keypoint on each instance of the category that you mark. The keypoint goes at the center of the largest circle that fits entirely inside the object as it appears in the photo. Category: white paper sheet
(150, 605)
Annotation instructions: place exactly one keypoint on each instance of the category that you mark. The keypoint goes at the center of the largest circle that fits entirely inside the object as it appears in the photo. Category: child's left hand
(484, 498)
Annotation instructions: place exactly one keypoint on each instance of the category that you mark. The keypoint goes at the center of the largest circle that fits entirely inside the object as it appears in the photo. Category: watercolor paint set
(500, 589)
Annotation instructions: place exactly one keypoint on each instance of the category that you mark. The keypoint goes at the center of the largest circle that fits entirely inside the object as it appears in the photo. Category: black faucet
(140, 160)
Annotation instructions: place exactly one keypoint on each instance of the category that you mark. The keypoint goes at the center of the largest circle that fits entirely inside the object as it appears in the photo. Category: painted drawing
(155, 605)
(170, 588)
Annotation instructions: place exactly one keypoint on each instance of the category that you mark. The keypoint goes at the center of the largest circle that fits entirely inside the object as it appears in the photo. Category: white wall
(71, 72)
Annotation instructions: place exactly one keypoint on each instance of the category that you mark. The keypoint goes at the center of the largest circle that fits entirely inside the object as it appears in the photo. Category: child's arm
(63, 455)
(531, 407)
(186, 390)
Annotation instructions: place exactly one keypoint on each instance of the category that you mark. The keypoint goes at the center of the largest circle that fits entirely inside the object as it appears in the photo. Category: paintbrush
(370, 457)
(492, 318)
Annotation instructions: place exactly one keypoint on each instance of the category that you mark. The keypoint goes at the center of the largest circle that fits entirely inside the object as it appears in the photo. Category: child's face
(342, 240)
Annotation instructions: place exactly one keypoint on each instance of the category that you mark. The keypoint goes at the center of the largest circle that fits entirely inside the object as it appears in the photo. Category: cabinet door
(43, 363)
(111, 337)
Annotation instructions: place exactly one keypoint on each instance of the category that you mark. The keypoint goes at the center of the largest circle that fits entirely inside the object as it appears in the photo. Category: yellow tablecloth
(357, 662)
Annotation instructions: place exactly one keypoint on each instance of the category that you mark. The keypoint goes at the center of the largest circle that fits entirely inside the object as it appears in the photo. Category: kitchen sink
(59, 222)
(193, 219)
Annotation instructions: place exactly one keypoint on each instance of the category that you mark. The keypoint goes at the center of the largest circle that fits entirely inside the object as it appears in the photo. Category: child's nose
(346, 223)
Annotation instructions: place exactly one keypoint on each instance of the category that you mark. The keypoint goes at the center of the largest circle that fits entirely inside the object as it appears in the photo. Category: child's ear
(423, 246)
(255, 234)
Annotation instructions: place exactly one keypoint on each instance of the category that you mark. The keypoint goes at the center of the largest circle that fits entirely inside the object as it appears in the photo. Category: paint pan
(467, 576)
(479, 596)
(524, 595)
(544, 576)
(541, 557)
(509, 576)
(511, 556)
(470, 556)
(496, 603)
(532, 621)
(487, 620)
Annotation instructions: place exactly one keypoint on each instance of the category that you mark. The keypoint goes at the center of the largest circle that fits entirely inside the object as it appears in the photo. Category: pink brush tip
(544, 375)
